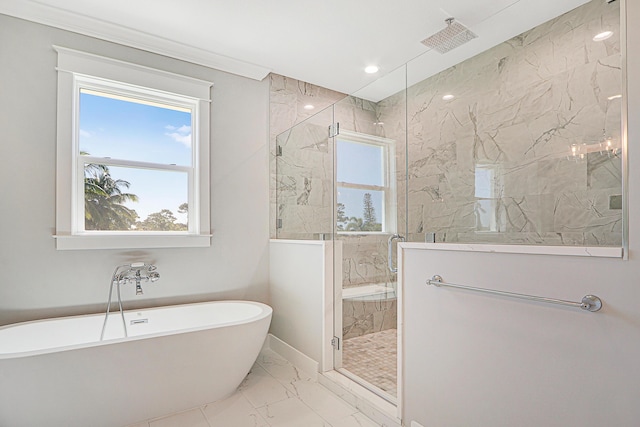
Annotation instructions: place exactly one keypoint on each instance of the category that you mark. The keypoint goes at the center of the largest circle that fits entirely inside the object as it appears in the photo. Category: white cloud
(181, 134)
(183, 139)
(85, 134)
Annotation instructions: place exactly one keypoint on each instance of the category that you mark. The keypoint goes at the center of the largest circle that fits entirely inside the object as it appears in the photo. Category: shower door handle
(390, 255)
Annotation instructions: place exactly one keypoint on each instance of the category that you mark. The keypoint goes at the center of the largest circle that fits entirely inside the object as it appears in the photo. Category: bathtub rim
(390, 295)
(266, 311)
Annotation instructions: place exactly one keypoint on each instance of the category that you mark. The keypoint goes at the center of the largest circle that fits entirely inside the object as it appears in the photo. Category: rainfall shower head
(454, 35)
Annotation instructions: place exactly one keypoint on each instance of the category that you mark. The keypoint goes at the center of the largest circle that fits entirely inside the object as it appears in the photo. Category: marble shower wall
(366, 317)
(494, 164)
(364, 260)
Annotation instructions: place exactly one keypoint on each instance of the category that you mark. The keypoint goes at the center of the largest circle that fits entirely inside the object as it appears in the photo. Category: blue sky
(133, 131)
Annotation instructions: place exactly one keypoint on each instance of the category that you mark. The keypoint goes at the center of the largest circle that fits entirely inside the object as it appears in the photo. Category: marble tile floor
(274, 394)
(373, 357)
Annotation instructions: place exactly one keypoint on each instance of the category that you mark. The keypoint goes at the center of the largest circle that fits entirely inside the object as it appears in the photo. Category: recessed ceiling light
(611, 98)
(371, 69)
(308, 107)
(448, 97)
(602, 36)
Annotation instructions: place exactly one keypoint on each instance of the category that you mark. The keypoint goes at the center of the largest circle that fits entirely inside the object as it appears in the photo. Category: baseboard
(297, 358)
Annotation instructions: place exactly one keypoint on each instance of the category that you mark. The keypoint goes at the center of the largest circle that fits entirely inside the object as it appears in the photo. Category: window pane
(119, 198)
(485, 181)
(129, 129)
(360, 163)
(485, 211)
(360, 210)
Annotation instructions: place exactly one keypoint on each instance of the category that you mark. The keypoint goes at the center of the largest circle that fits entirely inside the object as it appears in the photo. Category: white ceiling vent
(450, 38)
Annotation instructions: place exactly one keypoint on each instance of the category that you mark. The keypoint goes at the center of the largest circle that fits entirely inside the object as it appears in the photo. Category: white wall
(479, 360)
(484, 360)
(301, 279)
(36, 281)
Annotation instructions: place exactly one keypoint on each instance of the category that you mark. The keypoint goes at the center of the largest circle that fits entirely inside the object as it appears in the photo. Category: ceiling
(327, 42)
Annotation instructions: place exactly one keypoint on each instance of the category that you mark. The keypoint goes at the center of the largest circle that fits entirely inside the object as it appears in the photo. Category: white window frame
(79, 70)
(389, 206)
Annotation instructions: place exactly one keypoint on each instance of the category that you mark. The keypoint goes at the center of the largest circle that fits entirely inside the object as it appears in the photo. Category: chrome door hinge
(279, 223)
(335, 343)
(278, 150)
(334, 130)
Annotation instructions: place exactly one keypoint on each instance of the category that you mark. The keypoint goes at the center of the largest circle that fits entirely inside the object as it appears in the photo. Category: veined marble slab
(591, 251)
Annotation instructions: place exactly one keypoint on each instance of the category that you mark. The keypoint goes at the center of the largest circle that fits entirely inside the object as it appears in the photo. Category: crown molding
(55, 17)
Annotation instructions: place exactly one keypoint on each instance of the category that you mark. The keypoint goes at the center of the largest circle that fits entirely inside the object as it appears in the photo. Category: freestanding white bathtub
(57, 373)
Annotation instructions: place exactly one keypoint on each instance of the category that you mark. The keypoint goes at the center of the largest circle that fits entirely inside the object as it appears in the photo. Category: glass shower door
(369, 177)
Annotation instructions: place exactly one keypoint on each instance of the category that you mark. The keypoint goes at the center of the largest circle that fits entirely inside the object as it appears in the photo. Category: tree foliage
(104, 205)
(367, 222)
(354, 224)
(161, 221)
(368, 211)
(104, 200)
(341, 218)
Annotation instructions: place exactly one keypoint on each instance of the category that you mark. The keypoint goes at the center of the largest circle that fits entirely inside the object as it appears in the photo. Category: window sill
(75, 242)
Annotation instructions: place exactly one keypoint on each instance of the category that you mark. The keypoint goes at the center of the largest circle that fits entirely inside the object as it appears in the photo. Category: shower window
(132, 160)
(365, 188)
(487, 192)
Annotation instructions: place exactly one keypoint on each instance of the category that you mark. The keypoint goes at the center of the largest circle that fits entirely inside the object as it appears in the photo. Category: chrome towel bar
(589, 302)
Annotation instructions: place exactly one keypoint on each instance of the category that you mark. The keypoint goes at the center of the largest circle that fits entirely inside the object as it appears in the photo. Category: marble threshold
(383, 412)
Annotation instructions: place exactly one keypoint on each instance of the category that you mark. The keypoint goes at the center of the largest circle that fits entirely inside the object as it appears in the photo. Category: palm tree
(104, 200)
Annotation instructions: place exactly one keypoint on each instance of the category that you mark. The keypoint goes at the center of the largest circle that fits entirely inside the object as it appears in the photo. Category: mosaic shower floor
(373, 357)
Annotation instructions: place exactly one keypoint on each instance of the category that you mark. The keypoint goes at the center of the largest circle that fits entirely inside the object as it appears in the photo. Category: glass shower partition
(304, 180)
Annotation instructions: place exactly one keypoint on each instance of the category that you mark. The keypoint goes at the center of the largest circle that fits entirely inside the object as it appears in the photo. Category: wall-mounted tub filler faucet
(136, 272)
